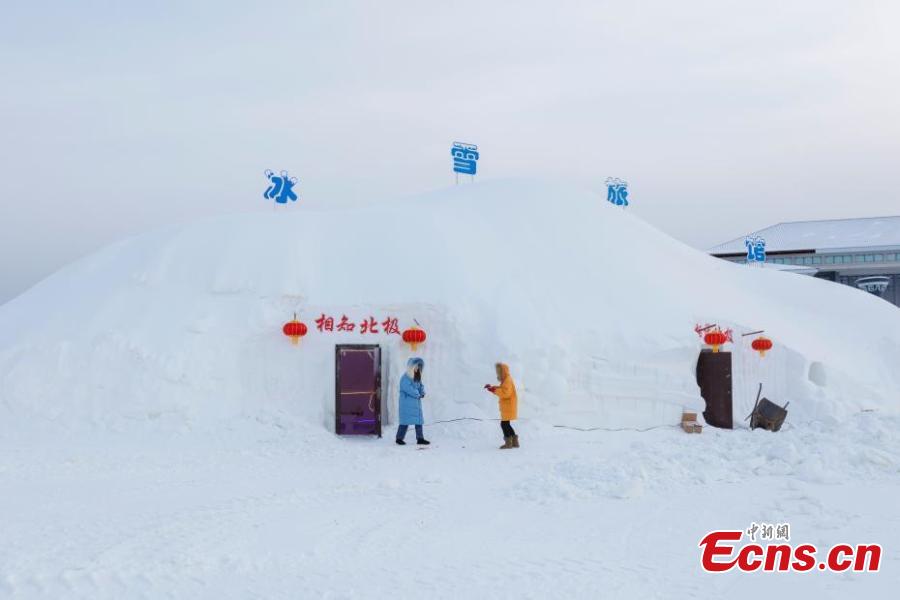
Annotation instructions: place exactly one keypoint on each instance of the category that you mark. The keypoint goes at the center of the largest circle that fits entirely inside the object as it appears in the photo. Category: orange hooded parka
(506, 392)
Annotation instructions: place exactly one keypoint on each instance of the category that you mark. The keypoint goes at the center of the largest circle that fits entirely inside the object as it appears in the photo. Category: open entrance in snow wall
(357, 386)
(714, 379)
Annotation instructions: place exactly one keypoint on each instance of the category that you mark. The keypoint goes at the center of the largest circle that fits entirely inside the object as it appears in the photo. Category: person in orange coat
(509, 405)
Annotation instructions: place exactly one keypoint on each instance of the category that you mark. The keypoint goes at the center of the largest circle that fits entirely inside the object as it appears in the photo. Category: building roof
(834, 234)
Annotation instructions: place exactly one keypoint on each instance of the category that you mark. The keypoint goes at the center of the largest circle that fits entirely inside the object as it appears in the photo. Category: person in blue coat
(411, 393)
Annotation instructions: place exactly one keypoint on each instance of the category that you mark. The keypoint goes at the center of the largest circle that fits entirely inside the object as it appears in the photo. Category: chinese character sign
(281, 187)
(756, 249)
(769, 531)
(465, 158)
(617, 191)
(368, 326)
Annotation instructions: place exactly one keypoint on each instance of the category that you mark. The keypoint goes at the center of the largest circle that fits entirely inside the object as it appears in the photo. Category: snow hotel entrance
(357, 386)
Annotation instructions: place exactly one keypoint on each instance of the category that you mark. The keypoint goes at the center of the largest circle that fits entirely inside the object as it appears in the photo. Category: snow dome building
(186, 323)
(863, 253)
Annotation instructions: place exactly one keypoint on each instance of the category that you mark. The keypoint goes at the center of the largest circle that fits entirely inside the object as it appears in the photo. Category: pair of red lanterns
(717, 338)
(296, 329)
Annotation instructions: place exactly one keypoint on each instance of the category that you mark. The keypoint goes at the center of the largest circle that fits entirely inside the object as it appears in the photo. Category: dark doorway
(714, 379)
(357, 385)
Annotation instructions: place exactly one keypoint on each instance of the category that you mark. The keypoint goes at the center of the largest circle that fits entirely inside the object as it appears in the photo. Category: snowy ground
(264, 510)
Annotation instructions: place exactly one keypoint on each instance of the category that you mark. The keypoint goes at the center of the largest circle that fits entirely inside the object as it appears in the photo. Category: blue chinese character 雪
(465, 157)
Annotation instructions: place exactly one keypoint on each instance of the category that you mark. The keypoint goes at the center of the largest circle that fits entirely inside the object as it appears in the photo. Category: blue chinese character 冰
(281, 188)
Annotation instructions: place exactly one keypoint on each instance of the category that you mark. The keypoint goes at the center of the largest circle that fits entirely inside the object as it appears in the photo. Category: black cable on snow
(560, 426)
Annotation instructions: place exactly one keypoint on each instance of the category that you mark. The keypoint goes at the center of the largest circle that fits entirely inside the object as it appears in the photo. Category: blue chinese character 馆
(756, 249)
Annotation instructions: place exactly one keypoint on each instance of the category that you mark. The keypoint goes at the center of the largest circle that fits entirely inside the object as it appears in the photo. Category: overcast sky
(118, 117)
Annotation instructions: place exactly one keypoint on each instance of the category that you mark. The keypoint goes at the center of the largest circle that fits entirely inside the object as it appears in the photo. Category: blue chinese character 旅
(465, 157)
(281, 187)
(617, 191)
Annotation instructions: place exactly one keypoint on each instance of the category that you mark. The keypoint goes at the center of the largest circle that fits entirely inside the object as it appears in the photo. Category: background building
(863, 253)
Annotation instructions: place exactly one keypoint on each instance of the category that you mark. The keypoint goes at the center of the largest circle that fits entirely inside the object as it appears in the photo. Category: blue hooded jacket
(411, 392)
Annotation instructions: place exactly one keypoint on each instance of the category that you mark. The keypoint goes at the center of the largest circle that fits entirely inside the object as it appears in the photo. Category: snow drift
(593, 309)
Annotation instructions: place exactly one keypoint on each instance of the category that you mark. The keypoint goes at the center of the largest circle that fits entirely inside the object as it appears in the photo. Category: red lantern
(414, 336)
(295, 330)
(762, 345)
(715, 338)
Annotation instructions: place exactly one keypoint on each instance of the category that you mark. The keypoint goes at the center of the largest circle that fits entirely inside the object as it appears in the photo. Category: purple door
(357, 409)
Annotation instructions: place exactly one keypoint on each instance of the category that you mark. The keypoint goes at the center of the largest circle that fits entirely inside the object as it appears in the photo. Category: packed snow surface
(264, 510)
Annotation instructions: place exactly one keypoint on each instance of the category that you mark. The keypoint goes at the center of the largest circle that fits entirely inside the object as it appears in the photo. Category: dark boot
(422, 442)
(507, 443)
(401, 442)
(515, 441)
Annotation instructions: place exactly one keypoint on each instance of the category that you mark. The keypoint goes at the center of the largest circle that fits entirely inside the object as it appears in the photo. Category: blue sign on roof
(465, 158)
(281, 187)
(756, 249)
(617, 191)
